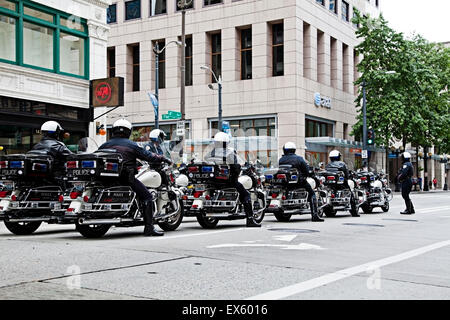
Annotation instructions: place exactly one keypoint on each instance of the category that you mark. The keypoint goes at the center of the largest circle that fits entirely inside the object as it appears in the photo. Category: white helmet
(406, 155)
(157, 135)
(335, 154)
(122, 127)
(289, 147)
(51, 126)
(222, 137)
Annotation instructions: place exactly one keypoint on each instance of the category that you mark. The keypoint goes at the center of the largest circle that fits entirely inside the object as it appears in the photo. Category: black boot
(149, 229)
(412, 208)
(314, 216)
(251, 223)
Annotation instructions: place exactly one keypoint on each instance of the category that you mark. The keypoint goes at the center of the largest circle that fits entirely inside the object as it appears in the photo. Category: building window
(111, 14)
(356, 25)
(132, 9)
(33, 35)
(333, 6)
(71, 54)
(111, 62)
(161, 64)
(277, 50)
(322, 2)
(37, 46)
(158, 7)
(7, 38)
(210, 2)
(216, 55)
(136, 67)
(191, 6)
(345, 11)
(316, 128)
(246, 54)
(8, 5)
(260, 142)
(188, 61)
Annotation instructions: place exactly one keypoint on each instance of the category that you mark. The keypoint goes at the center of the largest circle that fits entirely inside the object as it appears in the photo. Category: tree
(410, 105)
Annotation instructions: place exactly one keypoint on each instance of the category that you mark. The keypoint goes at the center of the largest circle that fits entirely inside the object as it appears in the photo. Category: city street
(376, 256)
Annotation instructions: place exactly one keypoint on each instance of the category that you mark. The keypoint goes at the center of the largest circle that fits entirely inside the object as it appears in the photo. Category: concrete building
(287, 67)
(49, 50)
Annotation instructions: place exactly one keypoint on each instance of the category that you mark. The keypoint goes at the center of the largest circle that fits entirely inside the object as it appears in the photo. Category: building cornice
(100, 3)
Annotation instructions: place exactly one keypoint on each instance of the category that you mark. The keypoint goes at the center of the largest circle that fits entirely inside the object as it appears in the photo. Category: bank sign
(107, 92)
(322, 101)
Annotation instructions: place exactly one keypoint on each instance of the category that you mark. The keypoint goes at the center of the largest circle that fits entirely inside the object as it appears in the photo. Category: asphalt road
(375, 256)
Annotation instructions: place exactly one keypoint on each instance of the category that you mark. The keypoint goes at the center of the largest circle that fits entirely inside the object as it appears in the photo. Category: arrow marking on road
(301, 246)
(287, 238)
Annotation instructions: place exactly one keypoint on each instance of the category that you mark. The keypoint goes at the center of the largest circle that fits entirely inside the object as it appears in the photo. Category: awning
(336, 142)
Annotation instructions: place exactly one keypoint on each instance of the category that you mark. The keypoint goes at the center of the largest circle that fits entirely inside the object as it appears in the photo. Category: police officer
(223, 154)
(290, 158)
(337, 165)
(157, 137)
(130, 151)
(52, 132)
(404, 178)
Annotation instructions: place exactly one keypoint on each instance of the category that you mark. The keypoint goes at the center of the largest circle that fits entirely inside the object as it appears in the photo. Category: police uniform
(300, 164)
(405, 178)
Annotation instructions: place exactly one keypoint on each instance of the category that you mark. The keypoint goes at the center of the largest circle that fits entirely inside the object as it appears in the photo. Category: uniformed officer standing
(405, 178)
(290, 158)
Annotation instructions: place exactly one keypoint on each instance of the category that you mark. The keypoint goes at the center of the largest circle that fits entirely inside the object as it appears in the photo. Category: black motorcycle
(375, 190)
(29, 191)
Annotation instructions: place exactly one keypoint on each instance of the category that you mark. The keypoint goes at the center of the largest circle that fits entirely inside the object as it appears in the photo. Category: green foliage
(411, 105)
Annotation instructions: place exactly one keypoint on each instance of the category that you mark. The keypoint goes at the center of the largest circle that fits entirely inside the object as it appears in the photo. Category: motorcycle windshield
(86, 145)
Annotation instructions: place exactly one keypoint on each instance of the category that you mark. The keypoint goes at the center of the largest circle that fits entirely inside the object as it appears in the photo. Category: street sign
(107, 92)
(169, 117)
(181, 128)
(364, 154)
(174, 114)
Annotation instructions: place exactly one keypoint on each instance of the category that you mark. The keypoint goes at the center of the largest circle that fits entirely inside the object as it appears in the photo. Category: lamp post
(183, 4)
(157, 53)
(219, 83)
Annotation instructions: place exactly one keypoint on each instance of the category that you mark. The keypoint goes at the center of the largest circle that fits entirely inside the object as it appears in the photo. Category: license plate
(10, 172)
(201, 176)
(81, 172)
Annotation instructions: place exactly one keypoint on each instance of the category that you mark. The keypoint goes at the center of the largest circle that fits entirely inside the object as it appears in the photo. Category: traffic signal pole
(365, 161)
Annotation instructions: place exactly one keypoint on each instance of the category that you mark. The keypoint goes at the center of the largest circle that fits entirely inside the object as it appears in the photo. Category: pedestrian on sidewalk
(420, 183)
(435, 183)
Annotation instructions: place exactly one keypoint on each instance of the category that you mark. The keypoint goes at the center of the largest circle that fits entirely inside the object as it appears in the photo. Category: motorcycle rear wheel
(173, 224)
(330, 212)
(206, 222)
(92, 231)
(22, 228)
(367, 209)
(282, 217)
(385, 208)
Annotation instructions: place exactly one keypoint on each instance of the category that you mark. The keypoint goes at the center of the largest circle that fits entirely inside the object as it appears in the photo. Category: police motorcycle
(341, 195)
(215, 200)
(376, 192)
(99, 201)
(286, 199)
(31, 185)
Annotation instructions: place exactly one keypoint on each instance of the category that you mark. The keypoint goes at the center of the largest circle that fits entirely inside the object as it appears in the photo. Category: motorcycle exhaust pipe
(82, 221)
(30, 220)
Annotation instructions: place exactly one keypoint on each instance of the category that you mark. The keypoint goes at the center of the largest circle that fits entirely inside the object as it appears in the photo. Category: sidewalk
(426, 192)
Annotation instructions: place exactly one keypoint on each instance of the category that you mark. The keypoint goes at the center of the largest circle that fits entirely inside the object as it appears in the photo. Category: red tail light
(208, 197)
(333, 196)
(70, 209)
(197, 194)
(3, 164)
(281, 176)
(72, 164)
(13, 197)
(193, 169)
(61, 198)
(195, 206)
(274, 195)
(331, 178)
(283, 198)
(74, 195)
(86, 199)
(185, 197)
(363, 178)
(3, 194)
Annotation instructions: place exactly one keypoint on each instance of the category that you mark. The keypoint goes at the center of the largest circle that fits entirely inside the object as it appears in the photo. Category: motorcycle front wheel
(174, 222)
(329, 212)
(281, 216)
(385, 208)
(92, 231)
(22, 228)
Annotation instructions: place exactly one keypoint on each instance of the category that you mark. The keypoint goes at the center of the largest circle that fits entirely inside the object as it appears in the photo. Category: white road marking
(287, 238)
(301, 246)
(197, 234)
(342, 274)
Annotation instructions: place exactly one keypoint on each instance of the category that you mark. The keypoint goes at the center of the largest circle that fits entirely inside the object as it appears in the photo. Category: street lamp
(363, 84)
(219, 83)
(157, 53)
(183, 4)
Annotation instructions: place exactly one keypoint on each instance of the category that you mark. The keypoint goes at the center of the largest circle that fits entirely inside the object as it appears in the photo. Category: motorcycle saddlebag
(102, 165)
